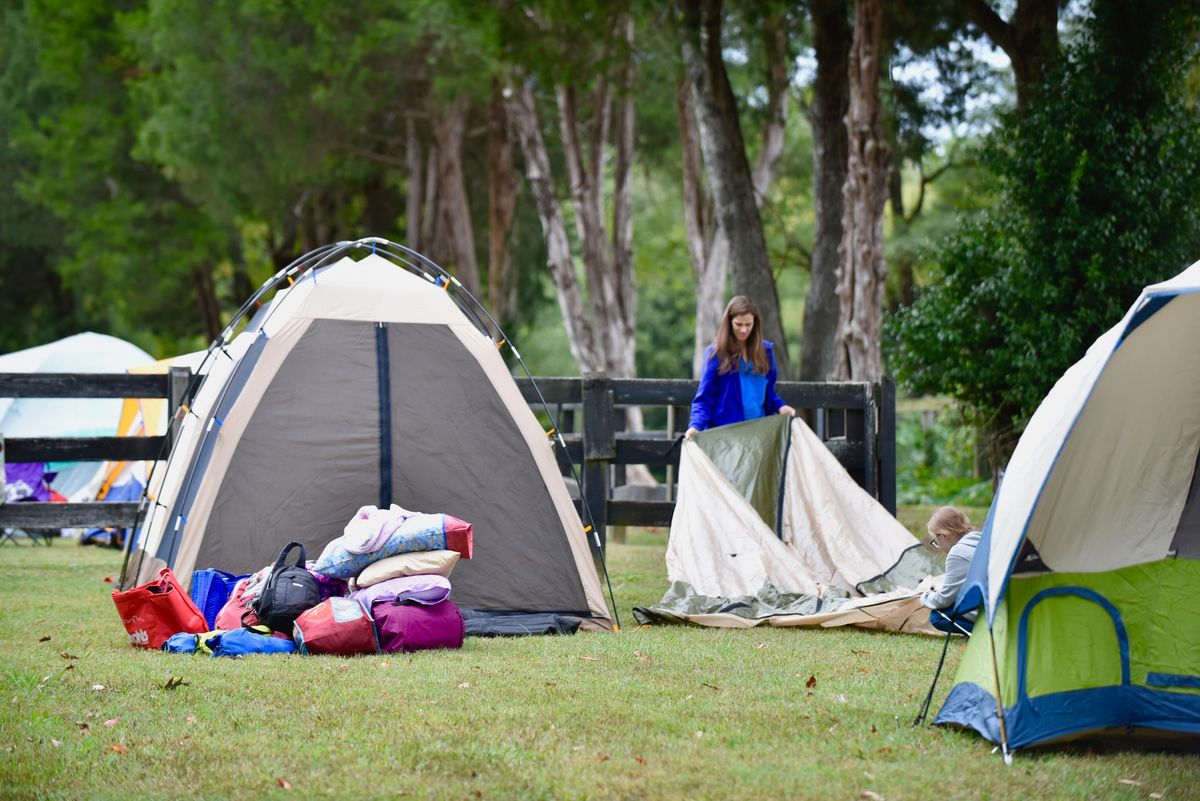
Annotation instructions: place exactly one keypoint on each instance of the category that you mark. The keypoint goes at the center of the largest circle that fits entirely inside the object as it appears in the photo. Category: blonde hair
(948, 521)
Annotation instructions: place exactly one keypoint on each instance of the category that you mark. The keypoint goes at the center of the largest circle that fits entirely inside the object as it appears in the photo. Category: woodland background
(962, 194)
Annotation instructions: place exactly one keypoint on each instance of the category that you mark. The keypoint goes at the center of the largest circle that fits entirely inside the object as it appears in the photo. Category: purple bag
(415, 627)
(427, 590)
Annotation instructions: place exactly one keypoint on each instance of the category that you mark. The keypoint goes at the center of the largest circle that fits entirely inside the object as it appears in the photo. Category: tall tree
(831, 98)
(863, 270)
(601, 331)
(502, 208)
(1029, 39)
(1098, 200)
(708, 247)
(726, 165)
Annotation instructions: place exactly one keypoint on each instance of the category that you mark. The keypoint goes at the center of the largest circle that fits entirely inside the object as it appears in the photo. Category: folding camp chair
(951, 624)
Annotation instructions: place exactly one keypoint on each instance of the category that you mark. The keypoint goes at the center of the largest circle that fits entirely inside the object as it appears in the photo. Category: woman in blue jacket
(738, 380)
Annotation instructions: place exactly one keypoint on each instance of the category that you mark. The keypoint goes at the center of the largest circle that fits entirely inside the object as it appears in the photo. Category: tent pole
(999, 700)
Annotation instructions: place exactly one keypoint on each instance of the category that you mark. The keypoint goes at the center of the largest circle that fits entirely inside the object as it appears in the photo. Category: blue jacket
(718, 400)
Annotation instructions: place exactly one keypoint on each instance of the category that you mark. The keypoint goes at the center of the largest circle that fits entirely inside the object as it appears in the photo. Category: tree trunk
(707, 249)
(413, 159)
(831, 98)
(502, 208)
(522, 112)
(1030, 40)
(725, 164)
(862, 272)
(206, 300)
(454, 239)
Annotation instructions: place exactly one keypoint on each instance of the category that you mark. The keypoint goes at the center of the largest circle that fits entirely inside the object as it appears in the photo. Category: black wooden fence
(856, 421)
(172, 386)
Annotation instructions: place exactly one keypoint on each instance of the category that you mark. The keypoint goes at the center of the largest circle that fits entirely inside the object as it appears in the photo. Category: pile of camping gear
(382, 587)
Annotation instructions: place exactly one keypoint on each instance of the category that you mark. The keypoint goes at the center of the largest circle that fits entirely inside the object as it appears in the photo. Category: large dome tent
(1089, 560)
(371, 376)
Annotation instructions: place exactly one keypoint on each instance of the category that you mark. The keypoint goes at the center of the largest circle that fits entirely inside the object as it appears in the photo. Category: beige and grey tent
(770, 528)
(370, 377)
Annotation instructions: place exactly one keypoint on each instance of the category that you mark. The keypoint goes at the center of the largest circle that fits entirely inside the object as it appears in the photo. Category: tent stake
(999, 700)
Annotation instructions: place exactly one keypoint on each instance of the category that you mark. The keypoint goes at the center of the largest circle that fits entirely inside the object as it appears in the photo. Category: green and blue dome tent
(1089, 562)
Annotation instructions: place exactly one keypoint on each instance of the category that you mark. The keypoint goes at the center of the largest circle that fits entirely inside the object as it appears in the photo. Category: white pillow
(418, 563)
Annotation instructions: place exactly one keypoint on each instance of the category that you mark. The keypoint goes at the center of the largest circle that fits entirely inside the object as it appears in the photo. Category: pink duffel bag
(415, 627)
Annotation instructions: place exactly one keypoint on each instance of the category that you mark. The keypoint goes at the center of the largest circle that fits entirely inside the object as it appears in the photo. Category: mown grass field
(651, 713)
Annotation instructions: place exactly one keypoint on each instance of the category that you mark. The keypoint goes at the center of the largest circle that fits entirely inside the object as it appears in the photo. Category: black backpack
(287, 592)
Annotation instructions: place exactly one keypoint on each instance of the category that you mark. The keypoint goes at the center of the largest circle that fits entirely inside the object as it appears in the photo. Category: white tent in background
(69, 417)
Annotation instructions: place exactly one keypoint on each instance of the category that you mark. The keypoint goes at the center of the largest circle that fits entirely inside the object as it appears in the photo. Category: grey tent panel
(309, 456)
(457, 449)
(1187, 535)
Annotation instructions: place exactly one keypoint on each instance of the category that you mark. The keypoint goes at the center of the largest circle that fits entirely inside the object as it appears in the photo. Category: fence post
(870, 443)
(178, 379)
(599, 448)
(887, 444)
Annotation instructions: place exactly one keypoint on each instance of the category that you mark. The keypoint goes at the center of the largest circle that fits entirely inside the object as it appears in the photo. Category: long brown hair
(725, 347)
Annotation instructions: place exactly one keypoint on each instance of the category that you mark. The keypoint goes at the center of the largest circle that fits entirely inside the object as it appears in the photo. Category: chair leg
(929, 697)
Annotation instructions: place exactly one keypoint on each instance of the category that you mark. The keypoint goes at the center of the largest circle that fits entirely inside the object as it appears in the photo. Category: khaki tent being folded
(364, 382)
(770, 528)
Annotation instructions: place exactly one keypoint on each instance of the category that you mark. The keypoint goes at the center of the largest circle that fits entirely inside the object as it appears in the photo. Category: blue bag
(210, 591)
(243, 642)
(182, 643)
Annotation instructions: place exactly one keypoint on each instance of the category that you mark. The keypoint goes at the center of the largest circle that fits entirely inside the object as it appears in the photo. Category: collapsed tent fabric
(770, 528)
(1088, 564)
(69, 417)
(363, 382)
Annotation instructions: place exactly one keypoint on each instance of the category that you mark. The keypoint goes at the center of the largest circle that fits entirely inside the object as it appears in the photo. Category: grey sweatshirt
(958, 561)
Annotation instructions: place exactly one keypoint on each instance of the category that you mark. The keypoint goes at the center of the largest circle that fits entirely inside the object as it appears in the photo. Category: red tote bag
(156, 610)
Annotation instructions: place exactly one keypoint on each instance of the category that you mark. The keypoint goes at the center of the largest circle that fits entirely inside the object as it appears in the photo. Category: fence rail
(856, 421)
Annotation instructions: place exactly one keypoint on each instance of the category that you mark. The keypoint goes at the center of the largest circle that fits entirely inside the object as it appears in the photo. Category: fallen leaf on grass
(859, 652)
(464, 685)
(175, 681)
(284, 783)
(761, 646)
(119, 748)
(873, 729)
(871, 795)
(1156, 795)
(65, 655)
(812, 682)
(45, 639)
(590, 658)
(97, 687)
(111, 722)
(69, 667)
(83, 726)
(191, 718)
(884, 750)
(55, 743)
(698, 735)
(639, 760)
(710, 686)
(603, 758)
(1130, 782)
(641, 656)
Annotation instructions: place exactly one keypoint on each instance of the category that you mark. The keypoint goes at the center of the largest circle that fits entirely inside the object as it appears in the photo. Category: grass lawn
(658, 712)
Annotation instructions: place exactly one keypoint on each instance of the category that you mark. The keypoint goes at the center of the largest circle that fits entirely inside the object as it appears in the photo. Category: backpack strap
(282, 560)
